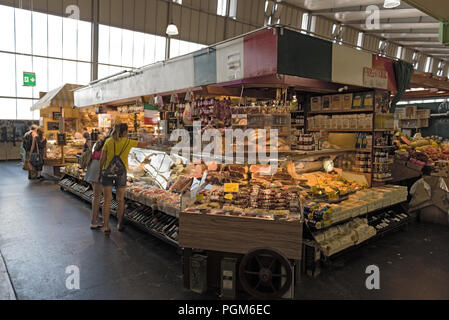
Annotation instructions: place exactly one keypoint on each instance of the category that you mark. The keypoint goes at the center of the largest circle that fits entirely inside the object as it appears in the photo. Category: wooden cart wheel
(265, 274)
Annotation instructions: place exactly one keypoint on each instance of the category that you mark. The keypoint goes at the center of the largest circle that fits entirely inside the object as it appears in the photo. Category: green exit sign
(29, 79)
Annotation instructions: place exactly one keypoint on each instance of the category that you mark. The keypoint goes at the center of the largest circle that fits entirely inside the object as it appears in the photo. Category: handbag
(27, 165)
(85, 159)
(35, 158)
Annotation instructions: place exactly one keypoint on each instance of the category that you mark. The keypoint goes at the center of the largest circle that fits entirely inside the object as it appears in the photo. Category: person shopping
(87, 141)
(114, 165)
(27, 144)
(38, 152)
(92, 173)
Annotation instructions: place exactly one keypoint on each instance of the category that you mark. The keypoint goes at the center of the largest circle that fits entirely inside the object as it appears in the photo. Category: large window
(59, 50)
(179, 47)
(56, 49)
(121, 49)
(222, 8)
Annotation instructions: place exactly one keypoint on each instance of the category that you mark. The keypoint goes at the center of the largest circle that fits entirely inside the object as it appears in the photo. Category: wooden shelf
(382, 180)
(341, 130)
(351, 130)
(342, 111)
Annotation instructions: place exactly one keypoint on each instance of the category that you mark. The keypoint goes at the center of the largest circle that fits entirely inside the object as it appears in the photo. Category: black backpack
(116, 167)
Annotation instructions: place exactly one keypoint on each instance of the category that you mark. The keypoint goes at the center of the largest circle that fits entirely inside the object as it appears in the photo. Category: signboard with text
(375, 78)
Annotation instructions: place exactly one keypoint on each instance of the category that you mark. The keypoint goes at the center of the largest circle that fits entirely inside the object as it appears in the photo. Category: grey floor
(43, 230)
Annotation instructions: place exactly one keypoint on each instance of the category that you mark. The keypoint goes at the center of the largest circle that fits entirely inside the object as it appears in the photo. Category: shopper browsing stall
(88, 141)
(114, 166)
(27, 143)
(92, 174)
(38, 152)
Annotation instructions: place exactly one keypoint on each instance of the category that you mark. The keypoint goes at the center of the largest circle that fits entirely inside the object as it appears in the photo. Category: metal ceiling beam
(422, 80)
(422, 44)
(440, 50)
(314, 5)
(399, 26)
(403, 35)
(439, 9)
(424, 94)
(346, 16)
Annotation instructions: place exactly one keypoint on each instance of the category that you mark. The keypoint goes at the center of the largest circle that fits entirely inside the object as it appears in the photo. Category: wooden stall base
(401, 172)
(239, 234)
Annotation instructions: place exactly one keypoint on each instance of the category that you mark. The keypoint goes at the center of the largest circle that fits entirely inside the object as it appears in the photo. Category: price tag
(231, 187)
(228, 196)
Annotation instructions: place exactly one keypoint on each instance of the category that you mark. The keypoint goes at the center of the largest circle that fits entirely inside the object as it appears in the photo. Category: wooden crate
(423, 113)
(239, 234)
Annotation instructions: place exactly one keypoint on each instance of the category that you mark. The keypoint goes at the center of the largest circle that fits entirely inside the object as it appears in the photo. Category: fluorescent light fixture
(172, 30)
(416, 89)
(440, 92)
(392, 3)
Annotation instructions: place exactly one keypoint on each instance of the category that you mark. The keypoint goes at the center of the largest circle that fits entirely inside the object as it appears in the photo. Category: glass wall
(56, 49)
(179, 47)
(121, 49)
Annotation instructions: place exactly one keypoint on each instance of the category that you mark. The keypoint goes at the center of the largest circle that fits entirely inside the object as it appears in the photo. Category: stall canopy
(278, 56)
(59, 97)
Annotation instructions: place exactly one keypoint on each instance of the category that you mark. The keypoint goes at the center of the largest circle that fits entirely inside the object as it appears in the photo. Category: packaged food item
(337, 102)
(315, 103)
(326, 103)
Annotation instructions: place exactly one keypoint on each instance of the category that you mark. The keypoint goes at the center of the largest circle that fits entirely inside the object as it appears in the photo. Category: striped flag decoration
(151, 114)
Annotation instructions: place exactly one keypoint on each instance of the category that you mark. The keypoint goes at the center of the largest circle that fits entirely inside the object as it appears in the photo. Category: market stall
(59, 118)
(243, 228)
(57, 112)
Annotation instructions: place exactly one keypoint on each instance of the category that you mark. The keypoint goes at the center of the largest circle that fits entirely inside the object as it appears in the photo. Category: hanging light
(392, 3)
(172, 30)
(328, 165)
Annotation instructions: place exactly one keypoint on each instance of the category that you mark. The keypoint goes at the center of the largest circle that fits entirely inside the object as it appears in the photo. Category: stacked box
(337, 102)
(347, 101)
(315, 103)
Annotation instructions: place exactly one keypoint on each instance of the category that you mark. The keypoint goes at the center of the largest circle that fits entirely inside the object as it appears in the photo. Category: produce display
(421, 151)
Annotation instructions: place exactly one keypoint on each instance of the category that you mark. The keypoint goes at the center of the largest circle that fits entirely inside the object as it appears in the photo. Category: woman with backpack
(38, 152)
(114, 165)
(92, 173)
